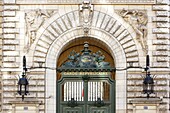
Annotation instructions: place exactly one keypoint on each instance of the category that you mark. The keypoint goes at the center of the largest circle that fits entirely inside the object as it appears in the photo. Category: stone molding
(93, 2)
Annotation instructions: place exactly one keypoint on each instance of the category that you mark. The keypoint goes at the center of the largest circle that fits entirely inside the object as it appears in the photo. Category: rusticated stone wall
(0, 55)
(26, 33)
(161, 33)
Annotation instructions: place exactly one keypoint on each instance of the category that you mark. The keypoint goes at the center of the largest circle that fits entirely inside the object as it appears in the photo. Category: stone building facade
(42, 29)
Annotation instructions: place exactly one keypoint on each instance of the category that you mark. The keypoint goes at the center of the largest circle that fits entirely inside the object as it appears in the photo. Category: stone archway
(52, 38)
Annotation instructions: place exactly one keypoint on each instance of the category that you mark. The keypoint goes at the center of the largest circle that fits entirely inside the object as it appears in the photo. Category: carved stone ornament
(138, 20)
(86, 59)
(34, 20)
(86, 10)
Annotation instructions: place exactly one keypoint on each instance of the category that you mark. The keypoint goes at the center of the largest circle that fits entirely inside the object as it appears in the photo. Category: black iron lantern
(23, 82)
(148, 85)
(23, 86)
(148, 82)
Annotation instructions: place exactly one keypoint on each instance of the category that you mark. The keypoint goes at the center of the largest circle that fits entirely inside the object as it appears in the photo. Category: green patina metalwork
(88, 69)
(86, 106)
(86, 60)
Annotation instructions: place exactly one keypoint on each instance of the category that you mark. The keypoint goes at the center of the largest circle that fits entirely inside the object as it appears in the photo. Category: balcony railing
(80, 1)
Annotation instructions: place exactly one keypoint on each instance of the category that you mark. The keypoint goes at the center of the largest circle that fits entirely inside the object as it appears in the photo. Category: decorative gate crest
(86, 91)
(86, 59)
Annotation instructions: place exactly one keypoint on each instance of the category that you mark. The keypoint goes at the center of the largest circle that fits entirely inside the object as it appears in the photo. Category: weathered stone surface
(106, 20)
(9, 47)
(133, 59)
(9, 13)
(162, 1)
(11, 7)
(11, 53)
(160, 42)
(9, 36)
(47, 40)
(10, 65)
(110, 24)
(9, 1)
(40, 54)
(9, 59)
(11, 30)
(130, 49)
(162, 47)
(160, 53)
(11, 19)
(119, 31)
(160, 64)
(100, 19)
(123, 35)
(162, 36)
(41, 49)
(161, 30)
(162, 13)
(129, 44)
(162, 24)
(132, 54)
(39, 59)
(160, 19)
(44, 44)
(160, 7)
(162, 59)
(9, 25)
(13, 42)
(114, 28)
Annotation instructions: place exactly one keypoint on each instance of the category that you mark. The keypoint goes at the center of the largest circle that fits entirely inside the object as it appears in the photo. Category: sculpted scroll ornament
(138, 20)
(34, 19)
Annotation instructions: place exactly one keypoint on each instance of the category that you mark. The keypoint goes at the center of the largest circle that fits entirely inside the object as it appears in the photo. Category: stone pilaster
(10, 54)
(10, 34)
(0, 55)
(161, 20)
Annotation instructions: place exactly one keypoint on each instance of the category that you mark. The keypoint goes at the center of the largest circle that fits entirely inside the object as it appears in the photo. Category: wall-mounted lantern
(148, 82)
(23, 84)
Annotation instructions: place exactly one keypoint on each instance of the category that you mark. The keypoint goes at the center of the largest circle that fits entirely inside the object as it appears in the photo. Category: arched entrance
(50, 44)
(119, 61)
(85, 83)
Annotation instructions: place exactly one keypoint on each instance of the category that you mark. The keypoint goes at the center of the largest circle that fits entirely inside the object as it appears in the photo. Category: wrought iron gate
(85, 85)
(86, 94)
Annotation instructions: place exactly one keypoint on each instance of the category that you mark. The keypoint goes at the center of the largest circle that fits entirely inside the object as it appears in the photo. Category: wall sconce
(148, 82)
(23, 84)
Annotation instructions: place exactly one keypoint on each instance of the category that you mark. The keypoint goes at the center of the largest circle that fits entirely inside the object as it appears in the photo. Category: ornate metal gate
(86, 85)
